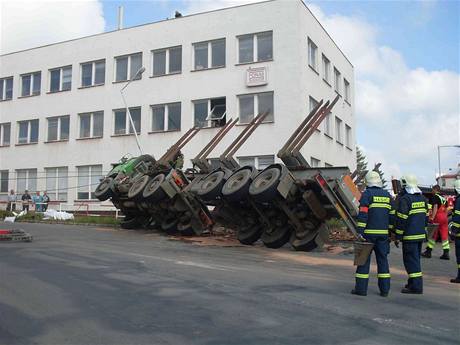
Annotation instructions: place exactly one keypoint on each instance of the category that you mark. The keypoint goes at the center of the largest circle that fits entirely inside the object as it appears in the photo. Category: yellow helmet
(372, 179)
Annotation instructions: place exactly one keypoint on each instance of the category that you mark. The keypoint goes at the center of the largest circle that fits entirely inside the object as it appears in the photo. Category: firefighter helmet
(373, 179)
(409, 183)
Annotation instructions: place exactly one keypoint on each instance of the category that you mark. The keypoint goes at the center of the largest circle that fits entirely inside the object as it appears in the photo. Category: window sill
(338, 93)
(207, 69)
(90, 86)
(327, 82)
(252, 62)
(349, 148)
(51, 92)
(124, 81)
(208, 127)
(313, 69)
(6, 100)
(90, 138)
(87, 200)
(165, 75)
(168, 131)
(28, 96)
(247, 123)
(124, 135)
(346, 101)
(25, 144)
(338, 142)
(4, 145)
(56, 141)
(327, 135)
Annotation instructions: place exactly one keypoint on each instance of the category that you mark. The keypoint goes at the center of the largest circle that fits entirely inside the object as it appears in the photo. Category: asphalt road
(82, 285)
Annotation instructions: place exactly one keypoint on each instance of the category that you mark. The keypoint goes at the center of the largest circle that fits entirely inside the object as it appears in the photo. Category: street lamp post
(138, 73)
(439, 155)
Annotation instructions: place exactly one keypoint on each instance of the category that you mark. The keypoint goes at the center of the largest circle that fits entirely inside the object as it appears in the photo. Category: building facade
(63, 121)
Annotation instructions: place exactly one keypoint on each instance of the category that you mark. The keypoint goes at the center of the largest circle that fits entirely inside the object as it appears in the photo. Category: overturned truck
(285, 202)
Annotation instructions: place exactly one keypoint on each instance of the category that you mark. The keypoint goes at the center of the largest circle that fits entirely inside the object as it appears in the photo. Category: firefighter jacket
(374, 212)
(456, 217)
(411, 218)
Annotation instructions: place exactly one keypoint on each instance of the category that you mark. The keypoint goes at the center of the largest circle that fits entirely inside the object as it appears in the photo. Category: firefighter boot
(427, 253)
(445, 255)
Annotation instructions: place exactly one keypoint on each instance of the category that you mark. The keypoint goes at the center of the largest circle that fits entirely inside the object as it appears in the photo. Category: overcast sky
(406, 58)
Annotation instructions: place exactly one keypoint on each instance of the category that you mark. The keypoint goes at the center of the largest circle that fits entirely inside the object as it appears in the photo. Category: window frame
(2, 134)
(93, 73)
(329, 126)
(127, 122)
(91, 125)
(348, 136)
(90, 187)
(29, 132)
(167, 51)
(61, 75)
(4, 82)
(31, 84)
(56, 191)
(337, 78)
(165, 117)
(312, 44)
(346, 91)
(209, 109)
(210, 55)
(128, 67)
(326, 63)
(3, 181)
(28, 179)
(256, 159)
(59, 128)
(255, 47)
(256, 106)
(338, 130)
(312, 160)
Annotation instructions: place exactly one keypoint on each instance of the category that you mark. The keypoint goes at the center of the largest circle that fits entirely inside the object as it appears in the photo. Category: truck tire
(169, 225)
(237, 185)
(263, 187)
(250, 234)
(185, 228)
(211, 186)
(152, 191)
(104, 189)
(131, 222)
(276, 237)
(137, 189)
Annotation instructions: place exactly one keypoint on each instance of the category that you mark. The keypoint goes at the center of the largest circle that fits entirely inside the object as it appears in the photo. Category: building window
(127, 66)
(88, 178)
(314, 162)
(255, 47)
(61, 79)
(259, 162)
(312, 55)
(58, 128)
(347, 90)
(338, 130)
(210, 54)
(167, 61)
(348, 136)
(4, 181)
(31, 84)
(6, 89)
(166, 117)
(328, 125)
(56, 183)
(210, 112)
(326, 69)
(122, 123)
(93, 73)
(327, 165)
(5, 134)
(252, 104)
(312, 103)
(26, 179)
(91, 125)
(28, 132)
(337, 80)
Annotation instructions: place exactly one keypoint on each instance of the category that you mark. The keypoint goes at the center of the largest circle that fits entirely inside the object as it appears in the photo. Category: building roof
(178, 18)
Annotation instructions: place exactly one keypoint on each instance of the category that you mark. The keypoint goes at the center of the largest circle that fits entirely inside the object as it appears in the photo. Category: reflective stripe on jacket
(374, 212)
(411, 218)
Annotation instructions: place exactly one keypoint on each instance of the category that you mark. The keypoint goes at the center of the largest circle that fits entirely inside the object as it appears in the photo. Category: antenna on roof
(120, 17)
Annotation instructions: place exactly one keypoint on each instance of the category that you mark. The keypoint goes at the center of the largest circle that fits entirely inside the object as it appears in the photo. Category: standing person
(438, 216)
(26, 200)
(46, 200)
(411, 220)
(12, 198)
(37, 200)
(456, 229)
(373, 225)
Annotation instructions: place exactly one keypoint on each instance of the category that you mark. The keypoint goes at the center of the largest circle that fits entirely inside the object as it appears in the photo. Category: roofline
(136, 26)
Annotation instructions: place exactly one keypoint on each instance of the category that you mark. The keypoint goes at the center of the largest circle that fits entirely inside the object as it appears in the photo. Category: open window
(210, 112)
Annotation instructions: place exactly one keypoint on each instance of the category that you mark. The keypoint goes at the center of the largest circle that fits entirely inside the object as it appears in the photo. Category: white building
(63, 121)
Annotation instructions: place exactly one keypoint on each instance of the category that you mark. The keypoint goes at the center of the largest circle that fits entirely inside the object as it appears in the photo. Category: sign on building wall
(257, 76)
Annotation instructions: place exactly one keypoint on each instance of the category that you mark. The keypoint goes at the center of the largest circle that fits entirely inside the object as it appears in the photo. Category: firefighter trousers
(457, 253)
(441, 233)
(411, 257)
(381, 250)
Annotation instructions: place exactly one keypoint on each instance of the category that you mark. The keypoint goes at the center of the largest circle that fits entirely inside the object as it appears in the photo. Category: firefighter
(438, 216)
(373, 225)
(456, 229)
(411, 221)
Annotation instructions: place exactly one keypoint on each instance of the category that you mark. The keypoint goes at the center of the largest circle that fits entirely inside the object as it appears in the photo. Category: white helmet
(372, 179)
(409, 182)
(457, 186)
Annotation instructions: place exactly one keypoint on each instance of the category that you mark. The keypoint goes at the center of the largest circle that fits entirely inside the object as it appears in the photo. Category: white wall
(289, 77)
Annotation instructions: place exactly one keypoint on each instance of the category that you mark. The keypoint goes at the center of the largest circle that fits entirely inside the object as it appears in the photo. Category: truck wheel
(250, 234)
(131, 222)
(185, 228)
(137, 189)
(169, 225)
(237, 185)
(276, 237)
(263, 187)
(152, 191)
(211, 186)
(104, 189)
